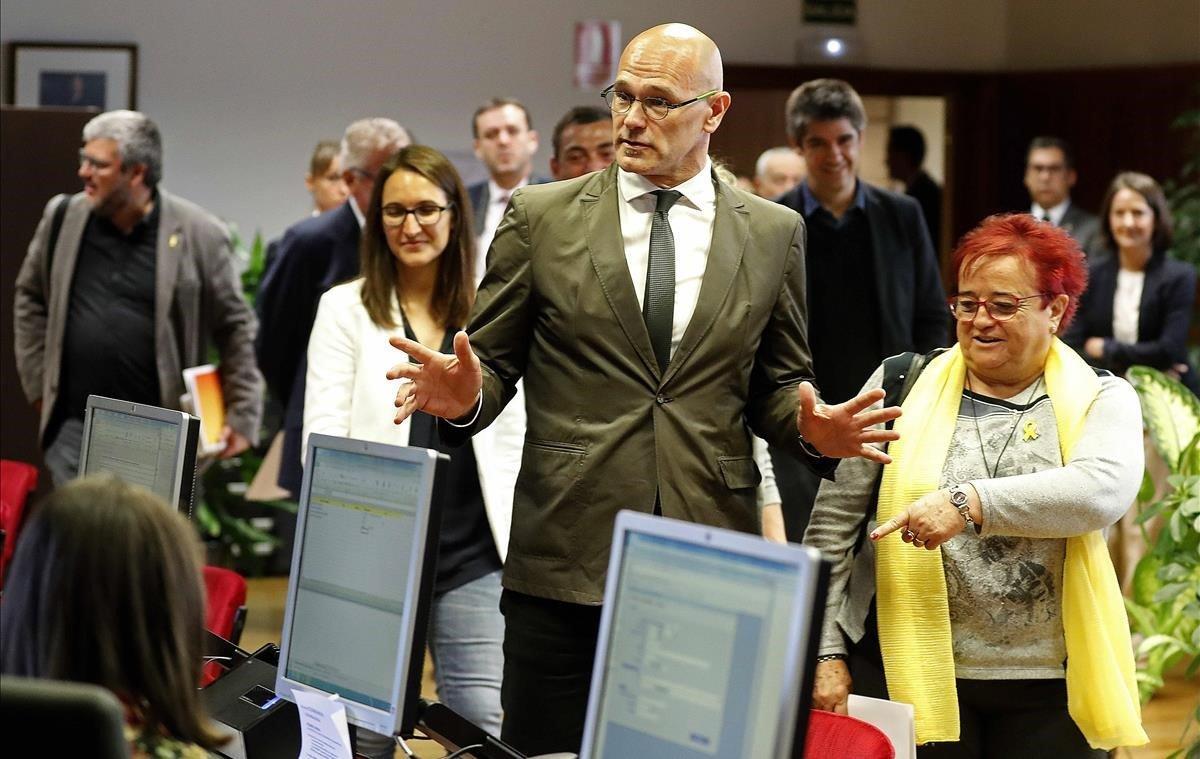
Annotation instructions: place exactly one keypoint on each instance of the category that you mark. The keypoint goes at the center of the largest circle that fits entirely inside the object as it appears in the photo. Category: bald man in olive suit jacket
(606, 429)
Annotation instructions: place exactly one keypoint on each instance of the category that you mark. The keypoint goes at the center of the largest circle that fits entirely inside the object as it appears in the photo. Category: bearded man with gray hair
(314, 255)
(123, 286)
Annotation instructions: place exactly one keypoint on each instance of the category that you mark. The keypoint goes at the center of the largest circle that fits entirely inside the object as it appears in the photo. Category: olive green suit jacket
(606, 429)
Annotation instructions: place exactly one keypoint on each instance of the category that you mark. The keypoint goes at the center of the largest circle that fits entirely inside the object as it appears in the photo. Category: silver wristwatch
(958, 499)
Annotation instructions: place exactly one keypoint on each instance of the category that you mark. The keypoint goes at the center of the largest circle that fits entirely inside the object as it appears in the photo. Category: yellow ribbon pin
(1031, 431)
(173, 241)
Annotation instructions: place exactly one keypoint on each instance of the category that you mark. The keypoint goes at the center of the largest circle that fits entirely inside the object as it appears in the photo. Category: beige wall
(1086, 33)
(244, 88)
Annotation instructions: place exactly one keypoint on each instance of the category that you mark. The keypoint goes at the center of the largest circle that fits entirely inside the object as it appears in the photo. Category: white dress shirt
(691, 225)
(358, 214)
(1056, 214)
(498, 198)
(1127, 303)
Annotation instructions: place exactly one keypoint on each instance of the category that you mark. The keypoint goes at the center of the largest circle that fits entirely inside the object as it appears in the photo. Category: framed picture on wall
(72, 75)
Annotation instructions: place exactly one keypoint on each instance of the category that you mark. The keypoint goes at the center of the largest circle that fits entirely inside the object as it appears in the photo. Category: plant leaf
(1146, 491)
(1145, 580)
(1169, 410)
(1169, 592)
(1172, 572)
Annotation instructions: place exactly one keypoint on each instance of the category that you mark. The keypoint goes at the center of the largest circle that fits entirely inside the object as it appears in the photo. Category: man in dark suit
(656, 316)
(1049, 177)
(505, 141)
(873, 284)
(582, 142)
(314, 255)
(905, 163)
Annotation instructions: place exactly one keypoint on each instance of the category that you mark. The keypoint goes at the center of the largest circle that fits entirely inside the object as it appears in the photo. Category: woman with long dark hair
(106, 588)
(417, 266)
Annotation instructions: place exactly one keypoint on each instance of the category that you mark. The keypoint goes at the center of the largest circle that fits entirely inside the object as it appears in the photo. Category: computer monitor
(703, 646)
(362, 580)
(144, 445)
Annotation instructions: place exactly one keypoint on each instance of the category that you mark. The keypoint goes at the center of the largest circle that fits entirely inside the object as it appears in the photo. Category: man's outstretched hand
(845, 430)
(439, 384)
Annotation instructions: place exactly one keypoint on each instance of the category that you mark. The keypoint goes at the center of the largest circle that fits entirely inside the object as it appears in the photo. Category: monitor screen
(358, 577)
(144, 445)
(702, 644)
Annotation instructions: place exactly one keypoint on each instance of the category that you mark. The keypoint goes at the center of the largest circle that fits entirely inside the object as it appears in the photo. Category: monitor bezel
(187, 436)
(803, 623)
(401, 717)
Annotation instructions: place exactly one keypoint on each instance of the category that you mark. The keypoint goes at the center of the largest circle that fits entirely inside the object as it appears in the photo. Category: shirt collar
(495, 191)
(147, 222)
(699, 190)
(811, 204)
(358, 214)
(1056, 213)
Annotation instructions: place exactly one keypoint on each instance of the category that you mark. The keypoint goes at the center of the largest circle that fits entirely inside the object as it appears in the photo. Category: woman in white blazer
(417, 266)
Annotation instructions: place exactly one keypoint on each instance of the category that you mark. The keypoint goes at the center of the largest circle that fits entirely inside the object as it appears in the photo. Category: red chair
(17, 481)
(836, 735)
(225, 614)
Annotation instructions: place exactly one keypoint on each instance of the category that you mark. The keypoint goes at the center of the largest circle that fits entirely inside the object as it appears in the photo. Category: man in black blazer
(1049, 177)
(874, 289)
(505, 141)
(314, 255)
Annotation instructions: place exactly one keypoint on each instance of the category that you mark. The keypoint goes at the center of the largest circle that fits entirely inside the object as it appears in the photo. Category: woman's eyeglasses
(427, 214)
(1001, 308)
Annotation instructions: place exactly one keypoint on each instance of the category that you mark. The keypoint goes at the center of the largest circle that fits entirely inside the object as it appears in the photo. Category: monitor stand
(452, 731)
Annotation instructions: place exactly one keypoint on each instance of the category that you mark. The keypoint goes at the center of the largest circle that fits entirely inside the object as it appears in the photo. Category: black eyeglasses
(1001, 308)
(95, 163)
(656, 108)
(427, 214)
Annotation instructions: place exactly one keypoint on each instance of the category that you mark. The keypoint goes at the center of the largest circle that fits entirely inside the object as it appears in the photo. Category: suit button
(662, 400)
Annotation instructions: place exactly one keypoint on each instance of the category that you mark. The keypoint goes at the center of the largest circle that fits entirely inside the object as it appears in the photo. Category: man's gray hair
(823, 100)
(760, 166)
(137, 137)
(366, 137)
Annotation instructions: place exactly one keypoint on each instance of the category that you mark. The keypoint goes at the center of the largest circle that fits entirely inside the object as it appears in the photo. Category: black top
(842, 308)
(466, 549)
(108, 343)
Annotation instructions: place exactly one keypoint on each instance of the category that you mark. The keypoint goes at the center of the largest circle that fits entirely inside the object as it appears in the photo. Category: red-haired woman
(985, 596)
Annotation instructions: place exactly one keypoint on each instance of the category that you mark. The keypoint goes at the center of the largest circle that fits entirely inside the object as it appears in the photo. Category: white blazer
(348, 394)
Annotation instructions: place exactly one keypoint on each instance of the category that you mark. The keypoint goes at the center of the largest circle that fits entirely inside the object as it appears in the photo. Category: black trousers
(798, 486)
(549, 648)
(998, 719)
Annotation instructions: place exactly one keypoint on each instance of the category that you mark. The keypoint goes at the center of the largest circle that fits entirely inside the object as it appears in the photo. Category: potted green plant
(1165, 607)
(236, 531)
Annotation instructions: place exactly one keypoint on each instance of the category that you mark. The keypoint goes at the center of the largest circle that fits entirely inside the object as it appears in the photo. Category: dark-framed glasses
(619, 101)
(427, 214)
(95, 163)
(1001, 308)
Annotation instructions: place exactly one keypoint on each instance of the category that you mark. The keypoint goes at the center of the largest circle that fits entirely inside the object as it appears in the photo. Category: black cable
(463, 751)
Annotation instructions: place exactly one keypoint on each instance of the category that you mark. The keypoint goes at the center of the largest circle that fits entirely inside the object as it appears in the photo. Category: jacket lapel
(894, 337)
(171, 246)
(607, 251)
(1150, 305)
(731, 229)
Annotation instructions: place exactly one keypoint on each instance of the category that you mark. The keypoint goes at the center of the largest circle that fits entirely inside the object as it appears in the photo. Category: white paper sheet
(892, 717)
(324, 732)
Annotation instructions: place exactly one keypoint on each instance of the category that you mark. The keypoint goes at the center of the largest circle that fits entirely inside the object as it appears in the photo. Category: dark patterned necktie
(658, 307)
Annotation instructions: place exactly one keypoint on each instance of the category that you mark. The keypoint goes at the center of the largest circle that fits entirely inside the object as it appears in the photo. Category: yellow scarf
(914, 613)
